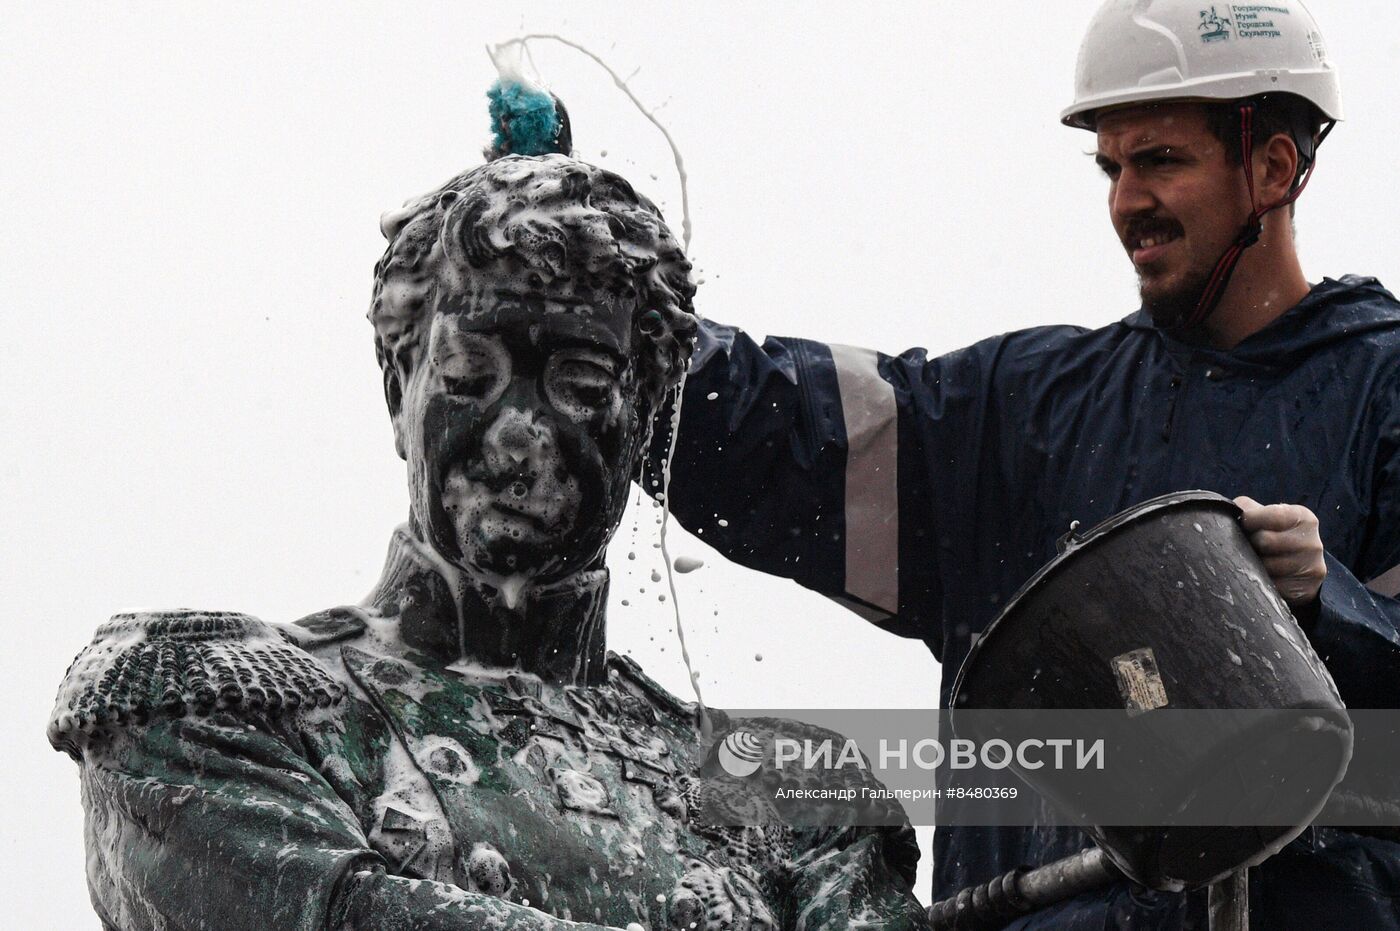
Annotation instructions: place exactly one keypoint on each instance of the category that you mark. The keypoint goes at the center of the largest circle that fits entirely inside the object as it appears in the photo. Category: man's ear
(393, 396)
(1275, 168)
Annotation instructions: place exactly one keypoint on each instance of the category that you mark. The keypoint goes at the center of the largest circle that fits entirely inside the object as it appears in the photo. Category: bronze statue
(459, 750)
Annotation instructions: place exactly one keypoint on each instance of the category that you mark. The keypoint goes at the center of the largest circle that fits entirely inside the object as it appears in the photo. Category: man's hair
(536, 219)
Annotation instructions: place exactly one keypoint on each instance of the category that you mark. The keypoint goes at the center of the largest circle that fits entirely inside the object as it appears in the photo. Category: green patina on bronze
(592, 799)
(459, 751)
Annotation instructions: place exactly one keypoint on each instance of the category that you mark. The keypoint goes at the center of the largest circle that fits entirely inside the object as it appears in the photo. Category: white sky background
(192, 411)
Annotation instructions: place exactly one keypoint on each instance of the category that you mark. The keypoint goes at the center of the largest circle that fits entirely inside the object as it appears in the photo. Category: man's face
(1175, 200)
(520, 427)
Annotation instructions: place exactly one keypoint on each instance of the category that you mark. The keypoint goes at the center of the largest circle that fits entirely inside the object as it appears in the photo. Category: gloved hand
(1286, 538)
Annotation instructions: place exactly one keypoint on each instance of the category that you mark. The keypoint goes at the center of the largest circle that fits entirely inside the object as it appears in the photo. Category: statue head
(530, 317)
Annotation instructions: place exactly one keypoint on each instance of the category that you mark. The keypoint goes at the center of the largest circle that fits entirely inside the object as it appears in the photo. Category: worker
(922, 492)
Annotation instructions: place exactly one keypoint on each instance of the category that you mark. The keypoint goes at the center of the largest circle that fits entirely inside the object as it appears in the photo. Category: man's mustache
(1143, 227)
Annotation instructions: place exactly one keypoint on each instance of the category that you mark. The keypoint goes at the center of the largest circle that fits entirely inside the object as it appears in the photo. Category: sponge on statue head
(526, 120)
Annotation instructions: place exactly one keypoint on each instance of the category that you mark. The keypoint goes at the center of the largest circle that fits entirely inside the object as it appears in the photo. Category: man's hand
(1286, 538)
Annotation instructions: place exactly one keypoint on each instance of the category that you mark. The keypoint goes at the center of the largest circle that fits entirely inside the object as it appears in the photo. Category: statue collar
(555, 631)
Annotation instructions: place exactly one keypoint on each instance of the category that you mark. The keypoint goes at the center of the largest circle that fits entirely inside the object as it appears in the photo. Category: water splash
(507, 57)
(509, 67)
(706, 727)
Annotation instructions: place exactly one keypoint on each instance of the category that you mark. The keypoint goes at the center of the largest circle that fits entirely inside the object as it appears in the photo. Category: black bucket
(1160, 608)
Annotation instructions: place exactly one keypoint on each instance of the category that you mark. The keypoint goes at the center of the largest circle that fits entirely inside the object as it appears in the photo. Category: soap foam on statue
(518, 87)
(479, 744)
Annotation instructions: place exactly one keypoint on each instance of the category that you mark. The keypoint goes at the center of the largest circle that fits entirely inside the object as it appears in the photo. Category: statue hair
(535, 219)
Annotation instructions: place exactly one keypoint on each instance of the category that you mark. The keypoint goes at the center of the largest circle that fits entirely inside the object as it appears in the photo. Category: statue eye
(473, 386)
(472, 366)
(581, 382)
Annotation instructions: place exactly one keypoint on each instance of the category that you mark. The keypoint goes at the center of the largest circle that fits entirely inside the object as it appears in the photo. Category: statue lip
(535, 518)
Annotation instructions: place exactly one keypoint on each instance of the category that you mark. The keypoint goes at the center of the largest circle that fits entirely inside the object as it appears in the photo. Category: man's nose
(517, 440)
(1130, 196)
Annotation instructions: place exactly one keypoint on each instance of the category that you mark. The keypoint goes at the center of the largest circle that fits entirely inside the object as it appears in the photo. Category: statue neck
(556, 630)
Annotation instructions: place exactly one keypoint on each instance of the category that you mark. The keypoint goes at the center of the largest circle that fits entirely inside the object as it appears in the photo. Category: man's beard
(1171, 308)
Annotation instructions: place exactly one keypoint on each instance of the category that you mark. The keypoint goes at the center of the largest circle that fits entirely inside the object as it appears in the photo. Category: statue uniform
(322, 774)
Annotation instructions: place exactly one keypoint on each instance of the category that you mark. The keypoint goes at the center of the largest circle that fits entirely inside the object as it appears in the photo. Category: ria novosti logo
(741, 754)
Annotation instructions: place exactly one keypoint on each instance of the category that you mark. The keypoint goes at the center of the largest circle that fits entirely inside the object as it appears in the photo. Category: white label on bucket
(1139, 681)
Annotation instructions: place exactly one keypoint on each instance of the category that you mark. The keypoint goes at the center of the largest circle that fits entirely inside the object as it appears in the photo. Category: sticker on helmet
(1319, 51)
(1214, 27)
(1256, 20)
(1248, 21)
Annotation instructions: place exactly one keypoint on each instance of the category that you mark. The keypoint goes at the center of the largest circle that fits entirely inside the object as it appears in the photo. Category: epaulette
(147, 665)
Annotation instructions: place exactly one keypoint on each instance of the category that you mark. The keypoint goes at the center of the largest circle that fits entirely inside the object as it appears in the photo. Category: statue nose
(515, 440)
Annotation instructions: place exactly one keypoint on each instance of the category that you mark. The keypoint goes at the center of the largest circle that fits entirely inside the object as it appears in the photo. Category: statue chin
(489, 553)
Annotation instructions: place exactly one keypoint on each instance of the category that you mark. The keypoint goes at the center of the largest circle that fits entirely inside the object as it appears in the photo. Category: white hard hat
(1142, 50)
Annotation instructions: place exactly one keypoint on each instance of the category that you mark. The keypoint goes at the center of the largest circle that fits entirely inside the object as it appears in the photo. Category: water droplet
(758, 657)
(722, 522)
(712, 395)
(655, 576)
(684, 564)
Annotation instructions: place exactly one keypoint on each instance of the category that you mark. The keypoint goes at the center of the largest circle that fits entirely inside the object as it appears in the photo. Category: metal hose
(1021, 891)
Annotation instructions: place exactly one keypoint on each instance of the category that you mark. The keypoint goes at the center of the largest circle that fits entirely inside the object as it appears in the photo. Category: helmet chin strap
(1253, 226)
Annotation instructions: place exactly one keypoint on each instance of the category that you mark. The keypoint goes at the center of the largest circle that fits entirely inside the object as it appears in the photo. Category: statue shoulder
(327, 628)
(147, 665)
(626, 673)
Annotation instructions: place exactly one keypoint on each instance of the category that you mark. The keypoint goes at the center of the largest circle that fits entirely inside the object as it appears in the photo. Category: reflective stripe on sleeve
(872, 489)
(1387, 583)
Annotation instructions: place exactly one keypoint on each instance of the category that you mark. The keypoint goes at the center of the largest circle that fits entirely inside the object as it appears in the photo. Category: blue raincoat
(922, 493)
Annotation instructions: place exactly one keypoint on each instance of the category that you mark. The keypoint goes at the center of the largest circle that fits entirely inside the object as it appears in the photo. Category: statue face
(520, 425)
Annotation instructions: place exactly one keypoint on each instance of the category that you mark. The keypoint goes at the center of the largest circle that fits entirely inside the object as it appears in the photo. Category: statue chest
(573, 801)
